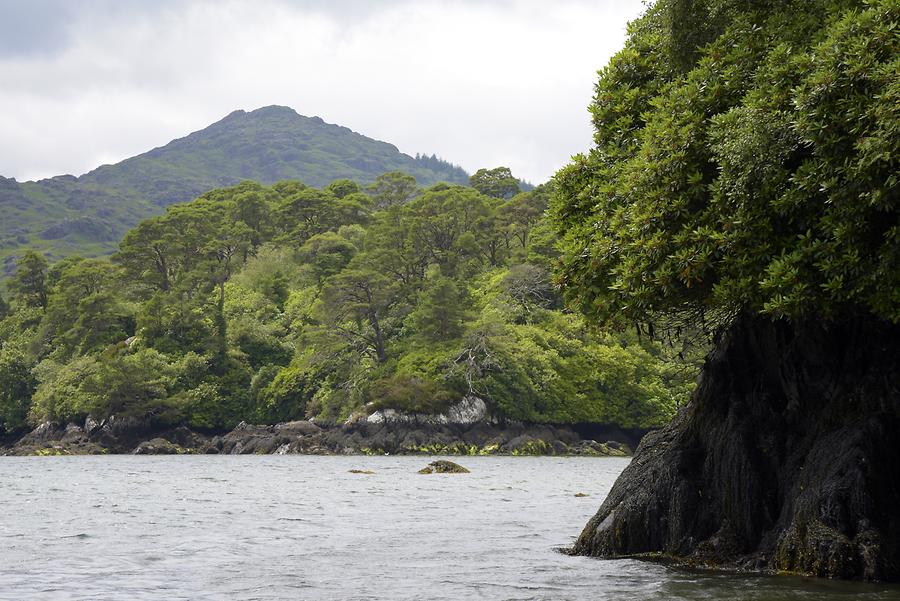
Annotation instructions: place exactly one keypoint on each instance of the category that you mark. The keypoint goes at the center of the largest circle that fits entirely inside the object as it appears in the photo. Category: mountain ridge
(87, 214)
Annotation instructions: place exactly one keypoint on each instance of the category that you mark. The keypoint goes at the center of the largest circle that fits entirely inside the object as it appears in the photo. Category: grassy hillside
(88, 215)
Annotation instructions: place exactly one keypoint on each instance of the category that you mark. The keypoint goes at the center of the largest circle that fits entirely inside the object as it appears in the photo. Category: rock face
(787, 458)
(469, 410)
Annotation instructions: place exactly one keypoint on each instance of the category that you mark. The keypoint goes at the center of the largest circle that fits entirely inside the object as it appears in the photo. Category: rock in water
(442, 466)
(157, 446)
(366, 472)
(787, 458)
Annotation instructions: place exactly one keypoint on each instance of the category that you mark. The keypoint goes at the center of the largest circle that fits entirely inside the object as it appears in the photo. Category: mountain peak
(274, 109)
(267, 144)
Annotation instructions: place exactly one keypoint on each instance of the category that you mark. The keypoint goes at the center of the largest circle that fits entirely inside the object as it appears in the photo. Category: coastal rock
(442, 466)
(302, 428)
(73, 434)
(306, 437)
(157, 446)
(91, 425)
(785, 459)
(43, 432)
(469, 410)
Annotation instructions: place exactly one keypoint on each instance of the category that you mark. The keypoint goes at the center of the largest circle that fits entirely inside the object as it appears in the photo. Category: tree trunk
(380, 353)
(786, 458)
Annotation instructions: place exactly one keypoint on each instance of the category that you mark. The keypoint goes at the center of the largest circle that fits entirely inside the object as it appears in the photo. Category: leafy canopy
(746, 157)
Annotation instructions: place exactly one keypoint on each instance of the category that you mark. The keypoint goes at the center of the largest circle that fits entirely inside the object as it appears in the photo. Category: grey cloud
(480, 83)
(36, 27)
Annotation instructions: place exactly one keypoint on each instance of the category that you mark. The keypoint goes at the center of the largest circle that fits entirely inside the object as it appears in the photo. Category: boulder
(442, 466)
(157, 446)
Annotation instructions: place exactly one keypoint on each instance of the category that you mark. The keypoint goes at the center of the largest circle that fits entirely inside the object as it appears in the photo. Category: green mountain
(88, 215)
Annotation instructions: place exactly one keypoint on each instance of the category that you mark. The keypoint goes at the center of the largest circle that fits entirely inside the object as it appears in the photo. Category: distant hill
(87, 215)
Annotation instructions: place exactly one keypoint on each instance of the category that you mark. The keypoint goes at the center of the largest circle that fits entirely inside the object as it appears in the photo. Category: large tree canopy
(746, 157)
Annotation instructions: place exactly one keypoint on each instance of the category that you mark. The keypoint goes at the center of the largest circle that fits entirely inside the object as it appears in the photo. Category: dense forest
(269, 304)
(744, 180)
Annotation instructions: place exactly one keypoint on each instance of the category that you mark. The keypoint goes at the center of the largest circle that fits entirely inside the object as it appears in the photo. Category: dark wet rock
(787, 458)
(91, 425)
(442, 466)
(73, 434)
(581, 495)
(366, 472)
(158, 446)
(304, 428)
(305, 437)
(42, 433)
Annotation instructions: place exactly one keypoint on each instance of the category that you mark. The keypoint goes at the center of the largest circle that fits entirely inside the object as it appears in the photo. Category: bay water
(301, 527)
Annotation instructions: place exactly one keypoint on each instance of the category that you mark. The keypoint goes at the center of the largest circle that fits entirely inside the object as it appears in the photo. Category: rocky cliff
(787, 458)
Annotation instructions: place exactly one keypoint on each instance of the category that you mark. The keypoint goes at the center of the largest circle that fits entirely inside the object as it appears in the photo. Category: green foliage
(440, 312)
(84, 311)
(29, 284)
(127, 385)
(745, 159)
(326, 254)
(277, 303)
(394, 188)
(342, 187)
(17, 384)
(409, 393)
(497, 183)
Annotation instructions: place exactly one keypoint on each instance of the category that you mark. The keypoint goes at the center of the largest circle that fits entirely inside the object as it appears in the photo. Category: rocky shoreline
(400, 437)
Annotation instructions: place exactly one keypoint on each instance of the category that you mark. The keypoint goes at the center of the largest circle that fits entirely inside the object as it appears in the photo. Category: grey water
(299, 527)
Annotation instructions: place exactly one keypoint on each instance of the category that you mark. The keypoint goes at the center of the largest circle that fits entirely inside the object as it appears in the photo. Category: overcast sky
(480, 83)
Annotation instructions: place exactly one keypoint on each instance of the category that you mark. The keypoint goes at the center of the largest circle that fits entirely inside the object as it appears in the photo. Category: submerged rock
(442, 466)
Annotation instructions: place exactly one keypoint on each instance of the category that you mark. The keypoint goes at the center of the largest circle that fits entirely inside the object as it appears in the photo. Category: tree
(529, 288)
(723, 190)
(441, 310)
(16, 387)
(342, 187)
(497, 183)
(447, 224)
(254, 208)
(29, 284)
(522, 213)
(355, 303)
(85, 311)
(392, 188)
(326, 254)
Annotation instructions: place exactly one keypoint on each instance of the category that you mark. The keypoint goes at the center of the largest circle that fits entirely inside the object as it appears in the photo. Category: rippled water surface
(295, 527)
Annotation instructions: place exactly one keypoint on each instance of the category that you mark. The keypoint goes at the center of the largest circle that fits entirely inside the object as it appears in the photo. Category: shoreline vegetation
(308, 438)
(285, 303)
